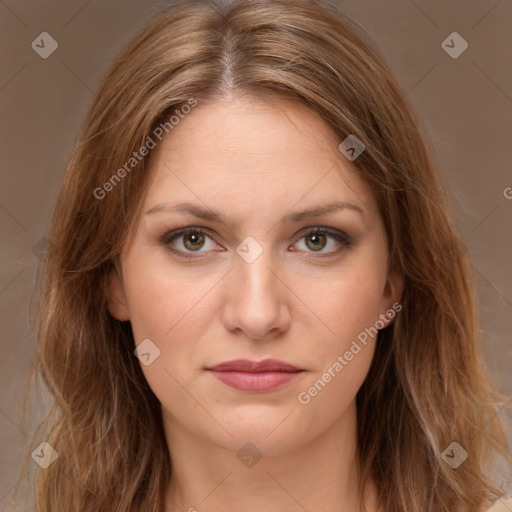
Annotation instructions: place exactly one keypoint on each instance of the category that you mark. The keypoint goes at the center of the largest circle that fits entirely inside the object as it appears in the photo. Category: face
(260, 279)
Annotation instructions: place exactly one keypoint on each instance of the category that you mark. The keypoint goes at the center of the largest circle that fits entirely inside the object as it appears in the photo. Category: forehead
(263, 155)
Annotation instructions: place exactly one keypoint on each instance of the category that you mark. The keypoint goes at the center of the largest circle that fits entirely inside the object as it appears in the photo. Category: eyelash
(341, 237)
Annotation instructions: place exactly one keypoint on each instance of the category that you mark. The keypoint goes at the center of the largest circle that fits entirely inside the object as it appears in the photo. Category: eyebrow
(293, 217)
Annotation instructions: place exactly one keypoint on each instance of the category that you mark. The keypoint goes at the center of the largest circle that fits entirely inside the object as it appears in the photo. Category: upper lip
(246, 365)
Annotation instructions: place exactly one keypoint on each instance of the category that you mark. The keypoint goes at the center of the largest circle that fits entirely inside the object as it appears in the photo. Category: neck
(317, 476)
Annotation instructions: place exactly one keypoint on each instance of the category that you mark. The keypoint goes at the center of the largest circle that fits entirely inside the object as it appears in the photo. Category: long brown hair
(427, 386)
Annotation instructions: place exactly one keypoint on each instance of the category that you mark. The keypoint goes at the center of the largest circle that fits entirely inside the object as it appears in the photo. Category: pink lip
(246, 375)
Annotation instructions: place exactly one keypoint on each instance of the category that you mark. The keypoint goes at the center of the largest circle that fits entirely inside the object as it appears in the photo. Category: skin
(256, 161)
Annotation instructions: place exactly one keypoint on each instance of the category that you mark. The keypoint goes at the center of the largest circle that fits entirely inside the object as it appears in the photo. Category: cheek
(349, 306)
(331, 393)
(165, 305)
(345, 304)
(169, 310)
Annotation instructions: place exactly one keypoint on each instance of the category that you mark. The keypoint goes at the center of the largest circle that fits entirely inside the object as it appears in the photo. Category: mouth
(255, 376)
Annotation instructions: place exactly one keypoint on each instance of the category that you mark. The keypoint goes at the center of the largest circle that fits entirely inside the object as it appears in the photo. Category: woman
(255, 297)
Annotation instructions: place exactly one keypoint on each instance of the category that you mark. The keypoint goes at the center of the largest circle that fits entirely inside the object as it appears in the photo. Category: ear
(392, 295)
(116, 298)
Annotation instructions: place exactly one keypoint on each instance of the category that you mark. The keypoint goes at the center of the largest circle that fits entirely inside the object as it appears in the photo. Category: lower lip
(261, 381)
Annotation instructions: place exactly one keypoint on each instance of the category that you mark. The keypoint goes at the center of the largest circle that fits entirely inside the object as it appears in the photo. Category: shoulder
(502, 505)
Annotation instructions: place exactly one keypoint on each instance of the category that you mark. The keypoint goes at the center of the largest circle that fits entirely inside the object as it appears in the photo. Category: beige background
(465, 102)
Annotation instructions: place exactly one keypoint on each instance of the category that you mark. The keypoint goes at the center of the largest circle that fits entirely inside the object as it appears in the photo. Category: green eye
(316, 240)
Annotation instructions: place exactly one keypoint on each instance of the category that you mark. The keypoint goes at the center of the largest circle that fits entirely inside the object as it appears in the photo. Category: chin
(259, 444)
(270, 438)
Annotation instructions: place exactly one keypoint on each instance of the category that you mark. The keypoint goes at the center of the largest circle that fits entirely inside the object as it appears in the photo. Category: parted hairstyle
(427, 386)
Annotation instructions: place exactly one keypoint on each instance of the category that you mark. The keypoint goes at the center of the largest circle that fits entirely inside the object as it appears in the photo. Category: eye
(316, 240)
(190, 240)
(193, 239)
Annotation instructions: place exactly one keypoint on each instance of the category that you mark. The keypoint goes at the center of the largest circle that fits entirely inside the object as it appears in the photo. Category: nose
(256, 300)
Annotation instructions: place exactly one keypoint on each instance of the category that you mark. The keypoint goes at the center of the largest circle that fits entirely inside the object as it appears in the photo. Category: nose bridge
(256, 275)
(253, 273)
(255, 300)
